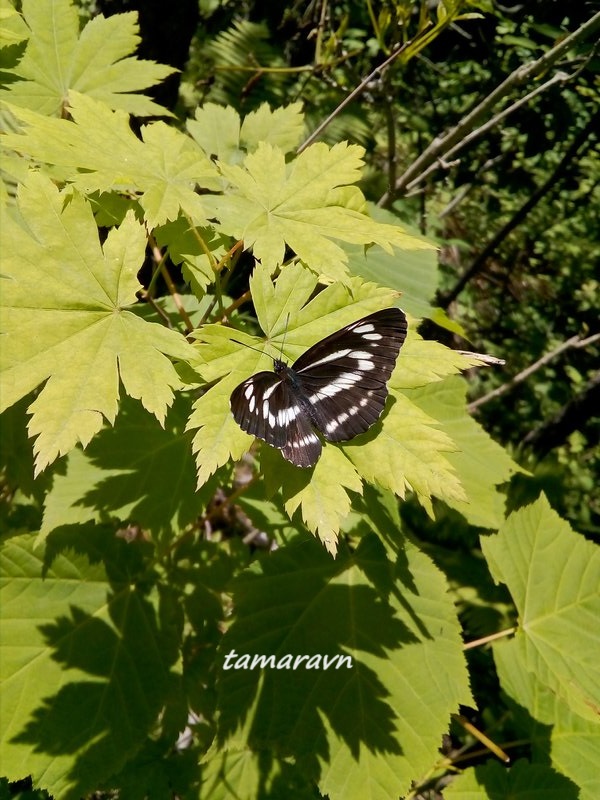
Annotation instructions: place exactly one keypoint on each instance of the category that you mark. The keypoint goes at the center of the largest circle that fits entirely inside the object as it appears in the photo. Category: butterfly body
(337, 387)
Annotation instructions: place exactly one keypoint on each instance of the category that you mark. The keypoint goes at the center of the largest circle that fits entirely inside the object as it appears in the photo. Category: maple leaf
(305, 205)
(220, 132)
(64, 321)
(404, 450)
(98, 151)
(57, 59)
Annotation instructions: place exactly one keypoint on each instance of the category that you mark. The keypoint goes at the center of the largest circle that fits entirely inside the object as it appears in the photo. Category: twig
(392, 159)
(464, 190)
(560, 77)
(551, 184)
(441, 144)
(160, 262)
(480, 736)
(490, 638)
(570, 418)
(353, 95)
(574, 341)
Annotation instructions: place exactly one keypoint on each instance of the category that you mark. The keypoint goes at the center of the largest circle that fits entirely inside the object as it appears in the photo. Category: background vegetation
(132, 567)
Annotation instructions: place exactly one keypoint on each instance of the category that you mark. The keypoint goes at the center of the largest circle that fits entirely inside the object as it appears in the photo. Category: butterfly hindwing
(338, 387)
(263, 406)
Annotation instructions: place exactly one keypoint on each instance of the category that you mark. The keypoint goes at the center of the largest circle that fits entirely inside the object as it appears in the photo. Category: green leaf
(157, 772)
(413, 272)
(556, 733)
(190, 246)
(404, 450)
(425, 361)
(245, 775)
(12, 26)
(322, 495)
(282, 127)
(553, 575)
(75, 642)
(72, 293)
(98, 151)
(305, 205)
(336, 722)
(57, 59)
(480, 463)
(217, 130)
(523, 781)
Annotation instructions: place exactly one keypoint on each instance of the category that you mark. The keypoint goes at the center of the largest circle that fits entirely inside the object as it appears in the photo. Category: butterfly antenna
(262, 352)
(285, 330)
(249, 346)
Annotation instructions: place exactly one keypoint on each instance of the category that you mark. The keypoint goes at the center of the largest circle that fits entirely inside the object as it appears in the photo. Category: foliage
(150, 550)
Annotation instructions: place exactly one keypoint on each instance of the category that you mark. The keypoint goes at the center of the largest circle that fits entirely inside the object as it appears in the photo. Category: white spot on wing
(366, 327)
(270, 391)
(344, 381)
(349, 378)
(287, 415)
(265, 408)
(331, 357)
(252, 403)
(326, 391)
(372, 337)
(248, 391)
(310, 438)
(272, 420)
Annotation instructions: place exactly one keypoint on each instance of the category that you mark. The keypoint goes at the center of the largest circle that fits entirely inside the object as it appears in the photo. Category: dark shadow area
(298, 603)
(126, 641)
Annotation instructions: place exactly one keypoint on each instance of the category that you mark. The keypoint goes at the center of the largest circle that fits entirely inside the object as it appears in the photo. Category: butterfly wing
(343, 378)
(264, 407)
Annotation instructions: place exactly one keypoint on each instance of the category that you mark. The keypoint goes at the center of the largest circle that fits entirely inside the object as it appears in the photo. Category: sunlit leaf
(73, 294)
(58, 59)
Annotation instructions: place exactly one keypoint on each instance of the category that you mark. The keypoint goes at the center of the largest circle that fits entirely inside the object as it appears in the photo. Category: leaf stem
(160, 259)
(490, 638)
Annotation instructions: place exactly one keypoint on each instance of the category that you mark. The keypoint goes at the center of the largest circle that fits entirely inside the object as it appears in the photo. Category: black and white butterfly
(338, 387)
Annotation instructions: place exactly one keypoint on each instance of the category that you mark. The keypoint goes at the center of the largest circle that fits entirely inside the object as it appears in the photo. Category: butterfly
(338, 387)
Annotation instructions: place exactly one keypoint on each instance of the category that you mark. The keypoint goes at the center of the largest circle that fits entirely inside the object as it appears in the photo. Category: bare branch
(560, 77)
(353, 95)
(574, 341)
(442, 144)
(572, 417)
(551, 184)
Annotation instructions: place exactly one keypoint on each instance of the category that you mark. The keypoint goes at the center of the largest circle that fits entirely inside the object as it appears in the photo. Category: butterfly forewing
(345, 375)
(338, 386)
